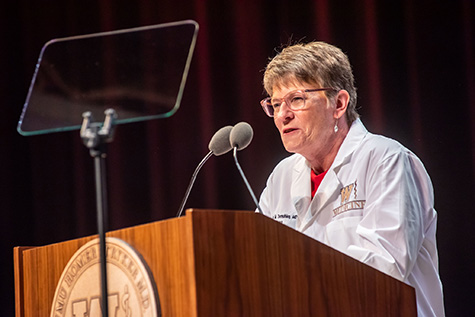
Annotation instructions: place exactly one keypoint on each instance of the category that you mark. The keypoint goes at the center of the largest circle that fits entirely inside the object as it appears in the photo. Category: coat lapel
(300, 189)
(329, 189)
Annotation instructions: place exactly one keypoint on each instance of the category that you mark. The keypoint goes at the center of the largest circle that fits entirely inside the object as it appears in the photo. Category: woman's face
(308, 131)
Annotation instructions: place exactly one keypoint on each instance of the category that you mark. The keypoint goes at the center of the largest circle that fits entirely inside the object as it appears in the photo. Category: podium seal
(131, 287)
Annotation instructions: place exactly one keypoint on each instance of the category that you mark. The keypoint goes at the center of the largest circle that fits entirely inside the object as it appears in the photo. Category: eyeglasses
(295, 100)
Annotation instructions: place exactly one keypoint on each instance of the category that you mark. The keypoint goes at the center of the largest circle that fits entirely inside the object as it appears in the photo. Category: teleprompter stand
(95, 137)
(140, 71)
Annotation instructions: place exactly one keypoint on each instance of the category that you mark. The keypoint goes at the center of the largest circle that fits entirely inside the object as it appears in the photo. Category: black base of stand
(95, 136)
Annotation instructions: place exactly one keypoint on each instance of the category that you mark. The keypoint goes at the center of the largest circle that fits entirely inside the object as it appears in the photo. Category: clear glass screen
(139, 72)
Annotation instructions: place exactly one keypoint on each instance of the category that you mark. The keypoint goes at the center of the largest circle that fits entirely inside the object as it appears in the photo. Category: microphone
(239, 138)
(218, 145)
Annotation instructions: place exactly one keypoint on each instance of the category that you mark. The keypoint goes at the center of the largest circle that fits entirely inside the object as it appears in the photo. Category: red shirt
(316, 180)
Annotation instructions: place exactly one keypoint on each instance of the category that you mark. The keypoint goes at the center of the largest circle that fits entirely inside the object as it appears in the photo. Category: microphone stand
(245, 180)
(192, 181)
(95, 138)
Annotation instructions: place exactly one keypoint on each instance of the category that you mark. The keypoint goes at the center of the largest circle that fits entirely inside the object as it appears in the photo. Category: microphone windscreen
(241, 135)
(219, 143)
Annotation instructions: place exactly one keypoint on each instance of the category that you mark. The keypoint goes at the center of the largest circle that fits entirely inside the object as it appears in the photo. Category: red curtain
(414, 68)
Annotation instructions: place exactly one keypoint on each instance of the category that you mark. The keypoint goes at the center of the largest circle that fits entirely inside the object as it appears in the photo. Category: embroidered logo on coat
(345, 192)
(347, 203)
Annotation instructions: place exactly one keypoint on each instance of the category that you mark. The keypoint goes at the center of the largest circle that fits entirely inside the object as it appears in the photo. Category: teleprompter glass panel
(139, 72)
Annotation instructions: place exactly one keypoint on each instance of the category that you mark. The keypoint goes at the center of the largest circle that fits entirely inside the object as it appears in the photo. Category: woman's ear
(341, 103)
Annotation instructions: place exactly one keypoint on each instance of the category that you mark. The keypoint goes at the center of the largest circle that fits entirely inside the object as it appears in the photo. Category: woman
(362, 194)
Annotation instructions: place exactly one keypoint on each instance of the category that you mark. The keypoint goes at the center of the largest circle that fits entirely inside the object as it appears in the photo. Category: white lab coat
(375, 204)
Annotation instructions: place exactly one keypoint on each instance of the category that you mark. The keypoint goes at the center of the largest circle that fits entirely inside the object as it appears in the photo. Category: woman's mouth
(288, 130)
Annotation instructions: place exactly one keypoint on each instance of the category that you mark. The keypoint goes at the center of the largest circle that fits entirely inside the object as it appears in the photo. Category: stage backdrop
(414, 67)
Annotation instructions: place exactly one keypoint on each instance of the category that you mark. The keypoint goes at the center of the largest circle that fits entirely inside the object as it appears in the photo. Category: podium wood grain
(229, 263)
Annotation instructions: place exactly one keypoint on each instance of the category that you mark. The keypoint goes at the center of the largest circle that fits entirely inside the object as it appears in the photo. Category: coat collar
(300, 189)
(355, 136)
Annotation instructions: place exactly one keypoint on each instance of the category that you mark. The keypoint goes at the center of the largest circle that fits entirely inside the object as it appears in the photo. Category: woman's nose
(285, 113)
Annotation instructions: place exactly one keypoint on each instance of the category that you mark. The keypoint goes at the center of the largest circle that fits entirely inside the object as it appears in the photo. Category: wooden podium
(229, 263)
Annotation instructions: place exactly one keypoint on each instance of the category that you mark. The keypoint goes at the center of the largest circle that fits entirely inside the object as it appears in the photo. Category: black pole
(95, 138)
(101, 203)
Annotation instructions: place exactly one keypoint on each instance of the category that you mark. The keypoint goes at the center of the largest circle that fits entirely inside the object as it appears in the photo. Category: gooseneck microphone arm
(223, 141)
(218, 145)
(192, 181)
(245, 180)
(239, 138)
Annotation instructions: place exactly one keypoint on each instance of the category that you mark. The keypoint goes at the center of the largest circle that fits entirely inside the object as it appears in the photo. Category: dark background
(414, 66)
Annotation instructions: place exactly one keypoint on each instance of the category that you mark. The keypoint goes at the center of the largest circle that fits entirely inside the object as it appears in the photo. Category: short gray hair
(316, 63)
